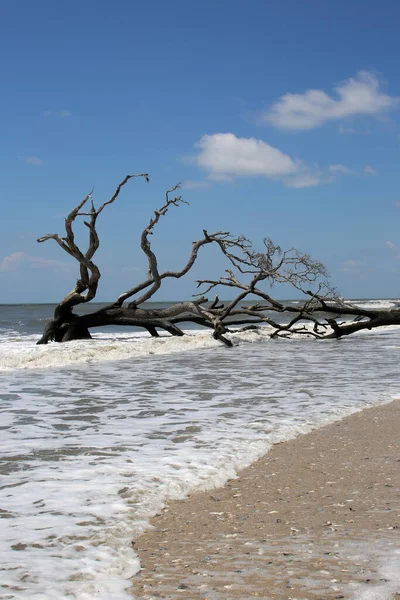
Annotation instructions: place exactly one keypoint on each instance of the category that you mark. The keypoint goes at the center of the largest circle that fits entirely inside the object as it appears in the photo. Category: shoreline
(316, 517)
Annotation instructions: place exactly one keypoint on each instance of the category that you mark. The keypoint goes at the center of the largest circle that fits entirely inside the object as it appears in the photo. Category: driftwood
(250, 274)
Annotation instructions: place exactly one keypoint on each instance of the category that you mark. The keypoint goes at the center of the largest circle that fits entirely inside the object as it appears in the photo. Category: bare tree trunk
(319, 316)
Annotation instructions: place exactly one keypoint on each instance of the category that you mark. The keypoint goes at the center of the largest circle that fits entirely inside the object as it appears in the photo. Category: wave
(377, 304)
(21, 352)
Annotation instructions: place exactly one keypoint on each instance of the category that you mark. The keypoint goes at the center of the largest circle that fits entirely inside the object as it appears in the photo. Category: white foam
(377, 304)
(21, 352)
(384, 558)
(96, 449)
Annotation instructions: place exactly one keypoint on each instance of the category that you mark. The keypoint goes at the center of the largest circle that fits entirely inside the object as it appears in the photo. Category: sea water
(97, 435)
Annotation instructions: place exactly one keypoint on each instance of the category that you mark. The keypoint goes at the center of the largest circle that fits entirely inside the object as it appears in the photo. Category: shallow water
(96, 435)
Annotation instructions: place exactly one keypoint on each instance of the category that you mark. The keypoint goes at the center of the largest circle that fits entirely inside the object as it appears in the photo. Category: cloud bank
(35, 161)
(18, 260)
(358, 95)
(370, 170)
(225, 157)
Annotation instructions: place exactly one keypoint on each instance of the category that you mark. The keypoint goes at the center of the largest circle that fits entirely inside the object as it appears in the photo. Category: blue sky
(282, 119)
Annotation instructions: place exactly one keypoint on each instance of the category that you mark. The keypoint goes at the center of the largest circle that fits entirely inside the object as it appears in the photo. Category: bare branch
(89, 272)
(250, 274)
(119, 187)
(208, 239)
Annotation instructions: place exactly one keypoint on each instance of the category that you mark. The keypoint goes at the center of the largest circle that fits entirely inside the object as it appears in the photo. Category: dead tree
(250, 274)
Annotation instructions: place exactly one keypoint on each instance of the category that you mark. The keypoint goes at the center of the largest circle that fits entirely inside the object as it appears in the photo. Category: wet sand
(318, 518)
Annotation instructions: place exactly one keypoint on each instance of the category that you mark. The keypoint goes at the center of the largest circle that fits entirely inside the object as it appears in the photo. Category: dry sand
(313, 519)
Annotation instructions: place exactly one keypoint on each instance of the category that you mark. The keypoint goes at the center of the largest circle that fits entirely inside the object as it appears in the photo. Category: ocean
(97, 435)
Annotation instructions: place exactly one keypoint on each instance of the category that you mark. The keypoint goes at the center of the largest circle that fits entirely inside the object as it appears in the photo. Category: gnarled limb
(249, 275)
(64, 326)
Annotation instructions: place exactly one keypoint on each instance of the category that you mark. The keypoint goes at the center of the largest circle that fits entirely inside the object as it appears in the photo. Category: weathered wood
(249, 271)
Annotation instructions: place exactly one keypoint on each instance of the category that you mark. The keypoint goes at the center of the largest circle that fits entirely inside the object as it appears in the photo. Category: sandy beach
(318, 517)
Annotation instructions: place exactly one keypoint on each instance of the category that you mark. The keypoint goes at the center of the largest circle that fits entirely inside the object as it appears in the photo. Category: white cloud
(11, 262)
(36, 262)
(225, 156)
(18, 260)
(194, 185)
(391, 246)
(340, 169)
(394, 249)
(370, 170)
(305, 180)
(62, 113)
(352, 266)
(34, 161)
(356, 96)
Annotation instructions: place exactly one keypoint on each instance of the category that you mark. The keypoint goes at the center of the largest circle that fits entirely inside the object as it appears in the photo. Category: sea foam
(92, 449)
